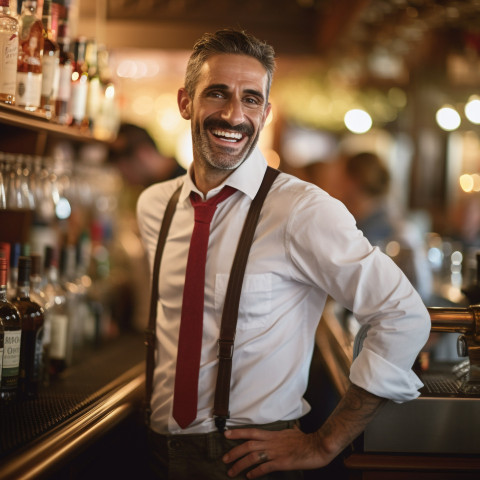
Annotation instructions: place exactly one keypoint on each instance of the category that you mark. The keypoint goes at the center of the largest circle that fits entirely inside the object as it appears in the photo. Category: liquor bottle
(50, 63)
(12, 335)
(8, 53)
(57, 313)
(32, 315)
(13, 272)
(3, 187)
(94, 95)
(30, 51)
(38, 296)
(65, 75)
(79, 84)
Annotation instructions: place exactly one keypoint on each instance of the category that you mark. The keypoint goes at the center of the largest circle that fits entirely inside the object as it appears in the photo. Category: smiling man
(306, 247)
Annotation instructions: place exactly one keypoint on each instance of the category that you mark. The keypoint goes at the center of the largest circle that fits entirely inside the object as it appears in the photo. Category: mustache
(244, 128)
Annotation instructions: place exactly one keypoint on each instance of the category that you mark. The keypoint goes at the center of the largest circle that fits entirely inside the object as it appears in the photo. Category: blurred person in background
(140, 163)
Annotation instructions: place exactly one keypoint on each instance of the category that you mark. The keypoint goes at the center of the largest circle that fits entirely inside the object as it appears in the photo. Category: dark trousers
(199, 456)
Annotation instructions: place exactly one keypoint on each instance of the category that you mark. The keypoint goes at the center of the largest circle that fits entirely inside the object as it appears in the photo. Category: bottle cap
(36, 264)
(3, 270)
(24, 266)
(5, 248)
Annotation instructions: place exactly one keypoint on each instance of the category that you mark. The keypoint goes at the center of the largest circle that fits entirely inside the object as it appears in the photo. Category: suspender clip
(225, 349)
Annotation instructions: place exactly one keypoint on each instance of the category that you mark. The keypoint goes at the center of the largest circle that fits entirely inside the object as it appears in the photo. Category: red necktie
(185, 397)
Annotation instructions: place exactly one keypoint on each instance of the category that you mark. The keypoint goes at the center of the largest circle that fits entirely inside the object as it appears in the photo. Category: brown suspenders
(231, 305)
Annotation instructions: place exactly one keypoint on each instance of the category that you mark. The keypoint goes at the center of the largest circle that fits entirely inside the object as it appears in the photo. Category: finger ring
(263, 457)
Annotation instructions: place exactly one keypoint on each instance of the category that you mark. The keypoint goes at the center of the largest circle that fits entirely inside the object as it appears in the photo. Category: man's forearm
(349, 419)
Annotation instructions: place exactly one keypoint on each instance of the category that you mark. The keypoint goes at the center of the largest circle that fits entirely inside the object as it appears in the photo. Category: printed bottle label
(50, 75)
(29, 89)
(11, 353)
(79, 98)
(65, 83)
(8, 62)
(58, 339)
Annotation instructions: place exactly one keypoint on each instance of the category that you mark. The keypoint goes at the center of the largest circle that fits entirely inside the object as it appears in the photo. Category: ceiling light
(448, 118)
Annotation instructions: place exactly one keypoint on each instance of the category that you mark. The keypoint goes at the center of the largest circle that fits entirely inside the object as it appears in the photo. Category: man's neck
(207, 179)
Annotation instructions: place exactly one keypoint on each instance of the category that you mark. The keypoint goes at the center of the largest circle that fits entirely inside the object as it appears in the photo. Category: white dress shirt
(305, 248)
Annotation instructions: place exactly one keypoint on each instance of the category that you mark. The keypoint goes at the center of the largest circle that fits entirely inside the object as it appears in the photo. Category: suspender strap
(232, 302)
(150, 335)
(230, 309)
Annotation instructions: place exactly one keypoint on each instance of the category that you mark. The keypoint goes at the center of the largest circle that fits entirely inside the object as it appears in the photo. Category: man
(306, 247)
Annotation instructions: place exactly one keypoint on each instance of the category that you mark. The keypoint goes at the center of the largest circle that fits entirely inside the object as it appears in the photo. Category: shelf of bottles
(50, 82)
(54, 256)
(54, 269)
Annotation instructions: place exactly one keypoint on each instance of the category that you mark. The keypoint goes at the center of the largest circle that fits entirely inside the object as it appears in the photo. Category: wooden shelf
(37, 121)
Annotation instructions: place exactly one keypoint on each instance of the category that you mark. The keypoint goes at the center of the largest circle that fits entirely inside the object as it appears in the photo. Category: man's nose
(233, 111)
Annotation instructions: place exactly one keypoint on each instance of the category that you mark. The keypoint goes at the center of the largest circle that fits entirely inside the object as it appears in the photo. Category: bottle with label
(38, 296)
(8, 53)
(12, 335)
(65, 76)
(30, 52)
(79, 84)
(95, 91)
(57, 313)
(50, 63)
(32, 315)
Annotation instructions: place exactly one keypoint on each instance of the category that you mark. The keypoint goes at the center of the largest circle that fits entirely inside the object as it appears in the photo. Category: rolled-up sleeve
(369, 284)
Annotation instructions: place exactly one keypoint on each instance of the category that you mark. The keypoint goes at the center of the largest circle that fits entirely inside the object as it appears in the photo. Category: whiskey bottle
(32, 315)
(50, 63)
(65, 75)
(8, 53)
(57, 315)
(79, 84)
(30, 51)
(94, 96)
(12, 335)
(37, 295)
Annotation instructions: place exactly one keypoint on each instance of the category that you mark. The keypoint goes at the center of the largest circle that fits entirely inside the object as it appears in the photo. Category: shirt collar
(247, 177)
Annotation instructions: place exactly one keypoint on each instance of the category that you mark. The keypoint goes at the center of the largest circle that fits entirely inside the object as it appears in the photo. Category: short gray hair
(228, 41)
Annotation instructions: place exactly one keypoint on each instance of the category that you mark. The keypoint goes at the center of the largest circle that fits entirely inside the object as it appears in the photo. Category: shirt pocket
(255, 301)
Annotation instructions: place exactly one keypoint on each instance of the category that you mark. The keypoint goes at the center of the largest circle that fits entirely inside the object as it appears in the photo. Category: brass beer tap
(467, 322)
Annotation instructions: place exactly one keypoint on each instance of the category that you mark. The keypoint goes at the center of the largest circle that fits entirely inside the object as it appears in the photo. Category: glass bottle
(79, 84)
(8, 53)
(15, 252)
(50, 63)
(65, 76)
(32, 315)
(12, 335)
(30, 51)
(94, 95)
(57, 313)
(38, 296)
(3, 185)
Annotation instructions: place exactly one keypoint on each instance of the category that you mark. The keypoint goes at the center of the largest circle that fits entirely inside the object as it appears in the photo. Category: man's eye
(252, 101)
(216, 95)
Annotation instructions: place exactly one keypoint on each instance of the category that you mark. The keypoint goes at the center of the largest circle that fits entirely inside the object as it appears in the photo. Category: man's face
(228, 110)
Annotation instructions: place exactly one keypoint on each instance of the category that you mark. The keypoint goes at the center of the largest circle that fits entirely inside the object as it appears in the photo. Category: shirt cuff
(380, 377)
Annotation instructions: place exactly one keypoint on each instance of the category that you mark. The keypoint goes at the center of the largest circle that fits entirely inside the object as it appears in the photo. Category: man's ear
(266, 113)
(184, 103)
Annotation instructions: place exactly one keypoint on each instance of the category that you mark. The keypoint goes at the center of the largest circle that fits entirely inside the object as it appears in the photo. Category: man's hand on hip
(292, 449)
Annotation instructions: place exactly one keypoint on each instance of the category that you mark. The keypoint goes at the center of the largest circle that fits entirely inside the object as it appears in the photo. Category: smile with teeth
(228, 136)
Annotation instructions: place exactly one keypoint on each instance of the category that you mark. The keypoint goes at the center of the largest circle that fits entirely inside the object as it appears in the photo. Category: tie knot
(204, 211)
